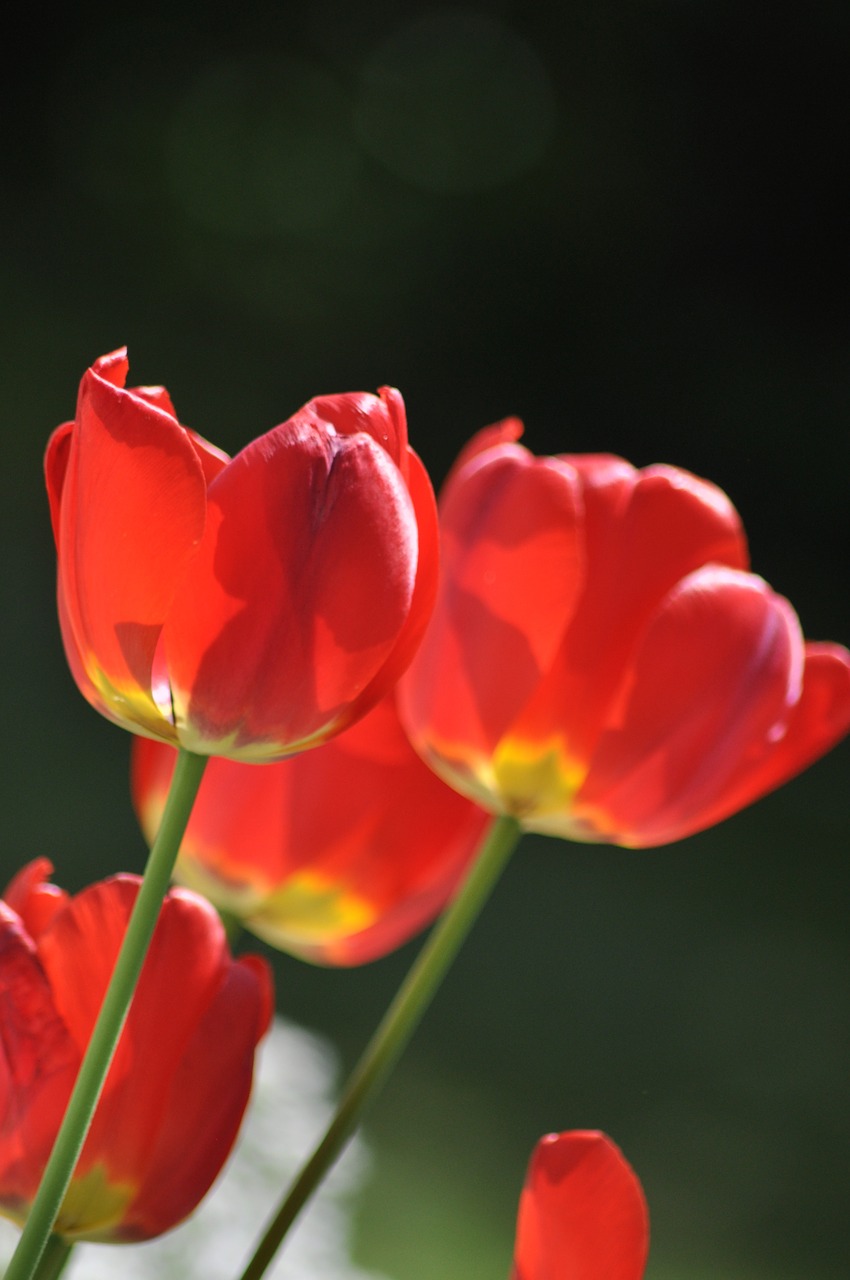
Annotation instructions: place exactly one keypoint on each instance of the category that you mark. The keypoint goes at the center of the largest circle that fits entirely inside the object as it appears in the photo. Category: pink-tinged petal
(202, 1103)
(512, 570)
(718, 674)
(38, 1063)
(645, 531)
(582, 1213)
(33, 897)
(297, 595)
(336, 883)
(131, 513)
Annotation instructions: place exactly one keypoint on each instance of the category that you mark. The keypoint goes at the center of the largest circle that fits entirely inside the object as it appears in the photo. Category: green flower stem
(394, 1032)
(54, 1259)
(72, 1132)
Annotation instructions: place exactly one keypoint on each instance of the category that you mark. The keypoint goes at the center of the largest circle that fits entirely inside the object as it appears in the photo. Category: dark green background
(623, 223)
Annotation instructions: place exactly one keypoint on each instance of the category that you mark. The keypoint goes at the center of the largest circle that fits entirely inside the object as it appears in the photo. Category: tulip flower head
(601, 664)
(247, 607)
(180, 1080)
(582, 1213)
(337, 855)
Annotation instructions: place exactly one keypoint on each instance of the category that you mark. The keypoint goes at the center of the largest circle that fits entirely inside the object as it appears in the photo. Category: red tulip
(582, 1214)
(600, 663)
(246, 608)
(338, 855)
(180, 1080)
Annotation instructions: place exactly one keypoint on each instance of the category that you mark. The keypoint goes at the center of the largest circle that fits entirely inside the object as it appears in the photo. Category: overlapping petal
(248, 607)
(582, 1213)
(338, 855)
(181, 1077)
(603, 666)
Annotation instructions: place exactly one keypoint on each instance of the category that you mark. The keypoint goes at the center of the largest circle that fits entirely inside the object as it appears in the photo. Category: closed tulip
(180, 1080)
(337, 855)
(601, 664)
(247, 607)
(582, 1213)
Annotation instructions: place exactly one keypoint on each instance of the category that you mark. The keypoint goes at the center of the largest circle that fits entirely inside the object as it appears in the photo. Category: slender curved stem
(54, 1259)
(75, 1124)
(394, 1032)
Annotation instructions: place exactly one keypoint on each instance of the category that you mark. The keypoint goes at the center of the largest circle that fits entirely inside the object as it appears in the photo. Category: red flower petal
(819, 720)
(78, 952)
(269, 636)
(512, 571)
(582, 1214)
(127, 496)
(424, 594)
(338, 883)
(382, 417)
(202, 1104)
(180, 1079)
(644, 532)
(33, 897)
(38, 1064)
(717, 676)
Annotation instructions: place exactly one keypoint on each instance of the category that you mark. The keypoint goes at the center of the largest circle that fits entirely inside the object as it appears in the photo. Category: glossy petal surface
(119, 565)
(582, 1214)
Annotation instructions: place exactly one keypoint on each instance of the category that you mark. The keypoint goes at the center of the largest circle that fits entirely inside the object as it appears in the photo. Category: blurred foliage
(627, 224)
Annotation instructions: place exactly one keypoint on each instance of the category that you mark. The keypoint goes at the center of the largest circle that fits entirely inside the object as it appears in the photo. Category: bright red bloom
(178, 1086)
(582, 1214)
(600, 663)
(338, 854)
(246, 608)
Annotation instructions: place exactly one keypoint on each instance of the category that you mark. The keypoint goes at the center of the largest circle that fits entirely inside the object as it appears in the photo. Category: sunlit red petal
(505, 432)
(718, 671)
(819, 720)
(78, 951)
(202, 1104)
(424, 593)
(382, 417)
(297, 595)
(512, 570)
(131, 513)
(33, 897)
(340, 882)
(55, 466)
(38, 1063)
(582, 1213)
(645, 531)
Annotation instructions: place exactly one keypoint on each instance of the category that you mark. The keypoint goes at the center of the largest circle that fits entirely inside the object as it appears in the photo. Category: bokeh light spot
(263, 147)
(455, 102)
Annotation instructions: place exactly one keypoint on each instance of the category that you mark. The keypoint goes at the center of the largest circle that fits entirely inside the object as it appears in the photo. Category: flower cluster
(568, 645)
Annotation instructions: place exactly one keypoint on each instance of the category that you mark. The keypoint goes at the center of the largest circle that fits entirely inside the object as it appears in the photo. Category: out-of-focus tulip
(582, 1213)
(337, 855)
(246, 608)
(600, 663)
(181, 1076)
